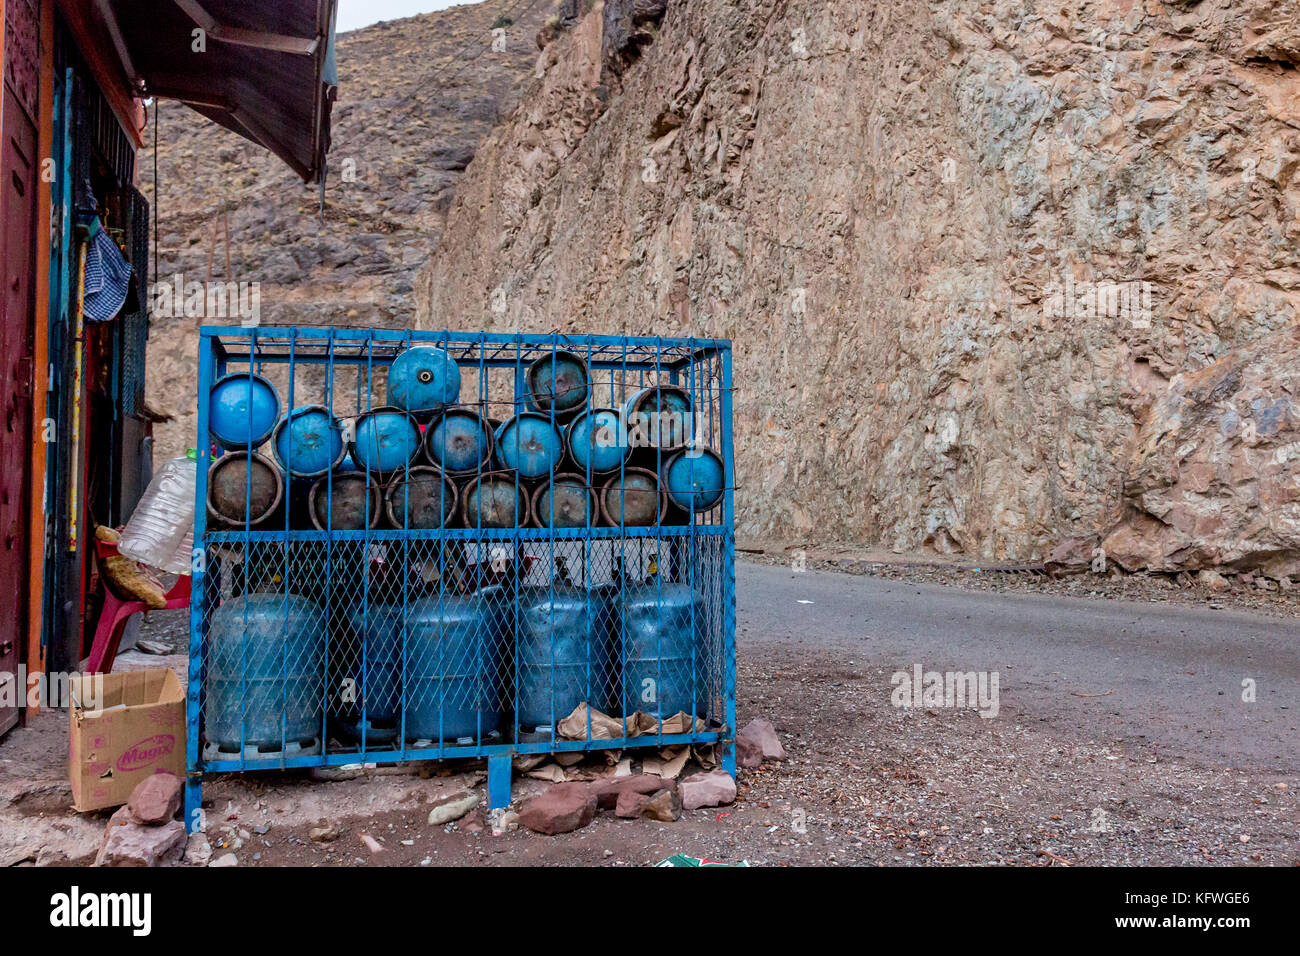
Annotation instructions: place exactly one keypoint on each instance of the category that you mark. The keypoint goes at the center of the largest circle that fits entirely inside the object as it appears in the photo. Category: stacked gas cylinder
(426, 461)
(423, 461)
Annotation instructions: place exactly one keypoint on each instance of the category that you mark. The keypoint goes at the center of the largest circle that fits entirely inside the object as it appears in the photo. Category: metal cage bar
(332, 629)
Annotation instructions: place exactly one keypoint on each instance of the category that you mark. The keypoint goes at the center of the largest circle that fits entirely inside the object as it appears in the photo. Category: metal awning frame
(174, 87)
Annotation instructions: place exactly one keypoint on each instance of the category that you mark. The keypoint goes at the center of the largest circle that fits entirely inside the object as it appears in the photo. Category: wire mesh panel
(417, 545)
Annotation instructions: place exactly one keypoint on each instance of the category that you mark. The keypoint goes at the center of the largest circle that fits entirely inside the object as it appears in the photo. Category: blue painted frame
(670, 358)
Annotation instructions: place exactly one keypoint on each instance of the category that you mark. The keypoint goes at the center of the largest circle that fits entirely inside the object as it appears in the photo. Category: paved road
(1174, 674)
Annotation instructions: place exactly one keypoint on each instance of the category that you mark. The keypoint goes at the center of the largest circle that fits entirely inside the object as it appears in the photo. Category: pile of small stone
(570, 806)
(146, 832)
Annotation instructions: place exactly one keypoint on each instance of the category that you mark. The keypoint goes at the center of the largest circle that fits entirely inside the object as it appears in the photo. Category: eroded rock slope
(973, 256)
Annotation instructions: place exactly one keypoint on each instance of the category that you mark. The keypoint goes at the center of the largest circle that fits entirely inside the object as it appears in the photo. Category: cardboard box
(137, 729)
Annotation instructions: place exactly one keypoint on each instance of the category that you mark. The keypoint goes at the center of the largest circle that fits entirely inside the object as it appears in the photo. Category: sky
(354, 14)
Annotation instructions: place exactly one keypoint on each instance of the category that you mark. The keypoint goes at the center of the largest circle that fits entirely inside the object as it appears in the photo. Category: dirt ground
(864, 783)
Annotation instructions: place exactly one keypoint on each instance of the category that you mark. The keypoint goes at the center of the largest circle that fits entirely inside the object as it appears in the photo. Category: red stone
(608, 790)
(748, 753)
(127, 843)
(156, 800)
(559, 809)
(761, 733)
(713, 789)
(631, 805)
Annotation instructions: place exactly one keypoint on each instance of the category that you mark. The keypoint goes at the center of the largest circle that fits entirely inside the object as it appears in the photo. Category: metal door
(19, 168)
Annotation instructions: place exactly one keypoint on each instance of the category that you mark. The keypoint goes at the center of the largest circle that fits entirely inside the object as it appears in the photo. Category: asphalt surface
(1164, 676)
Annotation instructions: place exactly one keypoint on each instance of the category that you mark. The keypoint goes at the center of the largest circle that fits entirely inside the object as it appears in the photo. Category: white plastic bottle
(156, 533)
(183, 560)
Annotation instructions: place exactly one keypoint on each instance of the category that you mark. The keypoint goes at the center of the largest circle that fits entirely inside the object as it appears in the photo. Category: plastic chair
(117, 610)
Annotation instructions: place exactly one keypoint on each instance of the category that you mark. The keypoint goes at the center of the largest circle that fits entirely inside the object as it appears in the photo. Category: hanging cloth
(108, 276)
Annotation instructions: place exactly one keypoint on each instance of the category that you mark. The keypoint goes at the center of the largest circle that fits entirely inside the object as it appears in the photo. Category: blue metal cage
(401, 606)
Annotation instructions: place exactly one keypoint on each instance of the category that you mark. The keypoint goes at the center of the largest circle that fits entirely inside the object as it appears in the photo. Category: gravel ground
(864, 782)
(895, 786)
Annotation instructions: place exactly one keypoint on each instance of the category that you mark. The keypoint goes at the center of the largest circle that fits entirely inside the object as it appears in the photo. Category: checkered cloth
(108, 278)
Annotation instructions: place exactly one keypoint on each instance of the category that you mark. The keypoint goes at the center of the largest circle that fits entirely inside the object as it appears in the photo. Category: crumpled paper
(605, 727)
(671, 760)
(551, 772)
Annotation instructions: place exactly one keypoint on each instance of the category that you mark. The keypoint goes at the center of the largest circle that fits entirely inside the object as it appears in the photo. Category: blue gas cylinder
(386, 441)
(566, 501)
(265, 674)
(423, 380)
(597, 441)
(529, 444)
(660, 416)
(565, 654)
(423, 499)
(459, 442)
(308, 442)
(345, 500)
(661, 632)
(242, 410)
(454, 652)
(371, 658)
(494, 500)
(694, 479)
(632, 497)
(557, 384)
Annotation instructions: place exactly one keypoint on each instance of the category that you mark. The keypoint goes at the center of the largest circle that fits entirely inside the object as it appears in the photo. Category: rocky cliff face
(972, 255)
(416, 96)
(1213, 479)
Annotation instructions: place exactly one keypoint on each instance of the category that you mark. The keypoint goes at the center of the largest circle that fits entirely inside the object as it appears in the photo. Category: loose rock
(1212, 580)
(665, 806)
(559, 809)
(198, 851)
(749, 754)
(631, 805)
(452, 808)
(713, 789)
(762, 734)
(324, 832)
(127, 843)
(349, 771)
(156, 800)
(607, 791)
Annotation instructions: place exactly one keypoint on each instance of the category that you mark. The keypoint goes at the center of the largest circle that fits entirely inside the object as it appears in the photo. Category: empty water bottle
(155, 535)
(183, 560)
